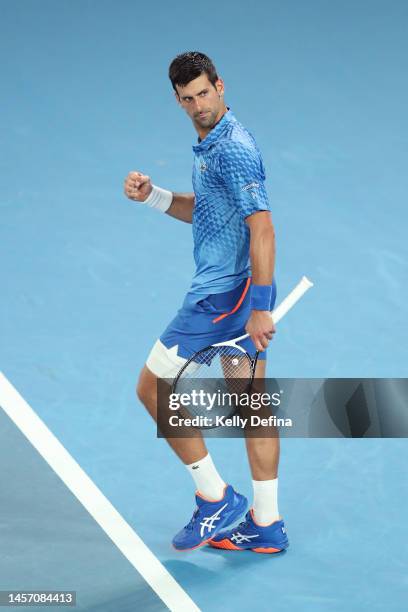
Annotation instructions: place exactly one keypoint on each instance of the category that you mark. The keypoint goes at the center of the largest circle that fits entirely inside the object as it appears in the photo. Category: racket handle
(290, 300)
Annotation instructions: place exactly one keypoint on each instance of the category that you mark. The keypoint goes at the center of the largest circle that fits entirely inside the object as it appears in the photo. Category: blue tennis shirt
(228, 183)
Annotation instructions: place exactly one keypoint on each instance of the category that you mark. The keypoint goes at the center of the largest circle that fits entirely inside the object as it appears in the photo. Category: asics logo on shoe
(208, 521)
(238, 538)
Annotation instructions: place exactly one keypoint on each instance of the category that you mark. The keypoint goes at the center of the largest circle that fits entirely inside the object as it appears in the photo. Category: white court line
(98, 506)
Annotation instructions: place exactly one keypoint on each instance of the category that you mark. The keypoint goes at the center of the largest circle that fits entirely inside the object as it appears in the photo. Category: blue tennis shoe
(248, 535)
(209, 518)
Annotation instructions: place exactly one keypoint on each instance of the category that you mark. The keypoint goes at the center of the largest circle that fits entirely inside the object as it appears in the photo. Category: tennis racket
(224, 368)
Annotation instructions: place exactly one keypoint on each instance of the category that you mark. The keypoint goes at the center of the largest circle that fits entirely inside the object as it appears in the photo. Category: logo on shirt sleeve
(250, 186)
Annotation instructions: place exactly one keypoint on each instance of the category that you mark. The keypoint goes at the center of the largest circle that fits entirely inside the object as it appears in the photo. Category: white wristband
(159, 198)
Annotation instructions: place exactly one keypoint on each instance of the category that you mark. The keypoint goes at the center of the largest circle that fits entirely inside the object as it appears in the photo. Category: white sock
(265, 506)
(207, 480)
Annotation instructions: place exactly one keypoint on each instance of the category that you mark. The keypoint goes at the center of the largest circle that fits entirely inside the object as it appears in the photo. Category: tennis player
(232, 292)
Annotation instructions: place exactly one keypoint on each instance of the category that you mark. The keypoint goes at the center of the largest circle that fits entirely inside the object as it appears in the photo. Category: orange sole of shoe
(267, 550)
(227, 545)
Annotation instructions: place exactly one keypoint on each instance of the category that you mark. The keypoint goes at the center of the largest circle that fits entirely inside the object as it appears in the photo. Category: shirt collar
(215, 133)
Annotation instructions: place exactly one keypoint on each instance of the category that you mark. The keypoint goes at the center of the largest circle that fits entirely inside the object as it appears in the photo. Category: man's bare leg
(190, 447)
(263, 456)
(263, 453)
(189, 450)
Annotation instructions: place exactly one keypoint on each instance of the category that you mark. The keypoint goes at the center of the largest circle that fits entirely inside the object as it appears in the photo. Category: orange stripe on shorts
(237, 305)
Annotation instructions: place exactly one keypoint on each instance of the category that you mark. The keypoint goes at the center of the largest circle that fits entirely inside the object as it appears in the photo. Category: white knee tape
(164, 362)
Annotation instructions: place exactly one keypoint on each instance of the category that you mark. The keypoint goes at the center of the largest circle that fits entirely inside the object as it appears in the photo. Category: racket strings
(223, 372)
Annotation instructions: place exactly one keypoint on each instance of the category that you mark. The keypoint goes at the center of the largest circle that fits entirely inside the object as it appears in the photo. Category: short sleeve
(243, 174)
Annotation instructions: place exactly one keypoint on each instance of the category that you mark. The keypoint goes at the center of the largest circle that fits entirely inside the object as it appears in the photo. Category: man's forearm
(262, 255)
(182, 207)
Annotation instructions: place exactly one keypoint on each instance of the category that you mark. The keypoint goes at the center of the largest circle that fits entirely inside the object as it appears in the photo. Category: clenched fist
(137, 186)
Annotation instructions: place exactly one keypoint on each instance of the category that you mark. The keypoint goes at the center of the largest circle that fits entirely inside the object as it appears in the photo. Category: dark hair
(188, 66)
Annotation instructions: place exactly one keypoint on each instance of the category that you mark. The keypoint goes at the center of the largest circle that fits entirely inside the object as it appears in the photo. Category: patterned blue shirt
(228, 183)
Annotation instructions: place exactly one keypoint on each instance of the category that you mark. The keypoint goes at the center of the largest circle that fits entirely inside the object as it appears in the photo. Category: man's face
(202, 101)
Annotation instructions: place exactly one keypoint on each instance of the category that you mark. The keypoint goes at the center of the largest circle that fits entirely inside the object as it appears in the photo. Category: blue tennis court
(89, 280)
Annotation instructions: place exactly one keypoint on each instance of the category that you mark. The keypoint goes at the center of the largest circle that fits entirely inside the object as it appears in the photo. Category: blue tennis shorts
(207, 319)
